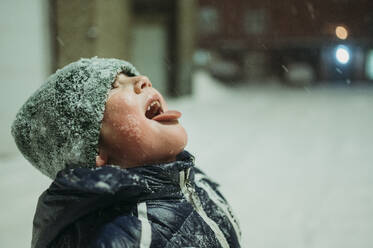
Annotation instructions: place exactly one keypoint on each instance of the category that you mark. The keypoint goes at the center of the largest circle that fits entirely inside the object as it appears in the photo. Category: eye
(115, 85)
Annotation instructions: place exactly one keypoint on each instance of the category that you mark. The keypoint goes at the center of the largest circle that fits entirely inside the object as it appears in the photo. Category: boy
(115, 153)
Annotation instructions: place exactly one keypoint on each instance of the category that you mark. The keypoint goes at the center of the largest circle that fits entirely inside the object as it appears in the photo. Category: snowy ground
(295, 164)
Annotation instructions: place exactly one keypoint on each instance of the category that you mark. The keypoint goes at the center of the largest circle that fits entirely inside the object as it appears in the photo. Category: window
(208, 20)
(255, 21)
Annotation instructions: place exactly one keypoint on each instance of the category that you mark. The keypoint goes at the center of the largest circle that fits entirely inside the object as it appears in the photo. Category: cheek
(123, 138)
(121, 115)
(123, 130)
(122, 123)
(120, 104)
(129, 129)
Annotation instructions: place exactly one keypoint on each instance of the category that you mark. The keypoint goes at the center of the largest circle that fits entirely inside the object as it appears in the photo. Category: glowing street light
(342, 54)
(341, 32)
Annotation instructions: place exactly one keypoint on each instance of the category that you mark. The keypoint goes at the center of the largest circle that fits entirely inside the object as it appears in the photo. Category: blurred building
(294, 40)
(157, 36)
(24, 61)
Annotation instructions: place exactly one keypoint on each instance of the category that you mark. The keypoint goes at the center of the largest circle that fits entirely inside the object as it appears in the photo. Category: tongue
(169, 115)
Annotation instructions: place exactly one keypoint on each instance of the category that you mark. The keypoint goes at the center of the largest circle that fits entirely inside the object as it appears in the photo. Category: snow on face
(128, 137)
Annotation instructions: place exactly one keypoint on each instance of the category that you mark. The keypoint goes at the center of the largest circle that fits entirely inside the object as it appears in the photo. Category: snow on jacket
(163, 205)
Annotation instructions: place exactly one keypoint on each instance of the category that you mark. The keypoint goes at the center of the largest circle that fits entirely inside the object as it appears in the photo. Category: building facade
(266, 37)
(157, 36)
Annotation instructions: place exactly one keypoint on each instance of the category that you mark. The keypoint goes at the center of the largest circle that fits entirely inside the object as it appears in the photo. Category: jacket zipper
(192, 196)
(193, 199)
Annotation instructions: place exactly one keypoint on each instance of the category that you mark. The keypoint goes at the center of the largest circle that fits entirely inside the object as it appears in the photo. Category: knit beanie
(59, 125)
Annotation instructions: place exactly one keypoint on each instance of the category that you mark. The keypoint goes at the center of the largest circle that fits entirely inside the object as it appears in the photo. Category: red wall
(291, 19)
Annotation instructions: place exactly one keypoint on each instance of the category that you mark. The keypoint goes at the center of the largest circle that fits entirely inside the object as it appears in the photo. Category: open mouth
(154, 108)
(155, 111)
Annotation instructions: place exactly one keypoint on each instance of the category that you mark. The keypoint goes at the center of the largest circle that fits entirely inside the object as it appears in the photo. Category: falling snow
(294, 164)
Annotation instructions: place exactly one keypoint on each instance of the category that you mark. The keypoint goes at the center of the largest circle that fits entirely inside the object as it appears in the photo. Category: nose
(141, 83)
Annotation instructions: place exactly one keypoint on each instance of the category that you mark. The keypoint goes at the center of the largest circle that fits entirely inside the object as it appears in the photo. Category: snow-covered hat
(59, 125)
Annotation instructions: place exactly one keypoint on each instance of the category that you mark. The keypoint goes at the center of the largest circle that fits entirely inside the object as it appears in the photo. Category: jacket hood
(81, 191)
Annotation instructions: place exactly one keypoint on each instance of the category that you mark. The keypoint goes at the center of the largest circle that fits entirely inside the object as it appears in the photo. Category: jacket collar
(81, 191)
(111, 179)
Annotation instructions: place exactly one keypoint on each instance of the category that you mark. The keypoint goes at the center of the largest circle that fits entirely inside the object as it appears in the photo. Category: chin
(182, 140)
(175, 144)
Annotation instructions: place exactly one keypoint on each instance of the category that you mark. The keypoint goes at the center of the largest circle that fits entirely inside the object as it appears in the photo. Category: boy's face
(137, 127)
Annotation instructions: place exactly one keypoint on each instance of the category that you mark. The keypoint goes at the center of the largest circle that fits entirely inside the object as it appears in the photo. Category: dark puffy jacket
(163, 205)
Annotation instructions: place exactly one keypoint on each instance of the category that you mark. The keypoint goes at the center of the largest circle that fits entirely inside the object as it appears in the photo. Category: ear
(101, 158)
